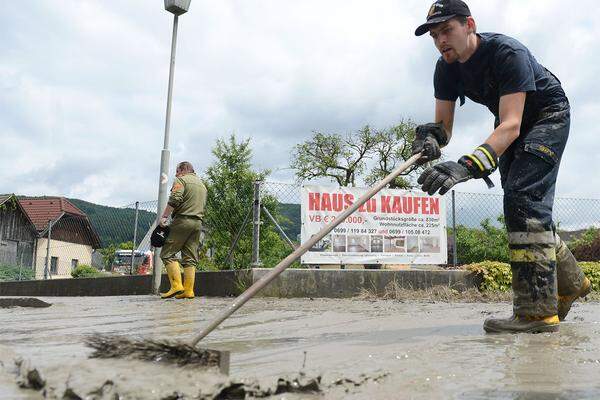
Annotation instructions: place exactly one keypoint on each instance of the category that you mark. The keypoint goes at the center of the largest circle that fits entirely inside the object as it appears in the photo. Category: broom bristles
(109, 346)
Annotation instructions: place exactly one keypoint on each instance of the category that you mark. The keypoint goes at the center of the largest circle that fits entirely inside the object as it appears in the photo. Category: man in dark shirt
(532, 118)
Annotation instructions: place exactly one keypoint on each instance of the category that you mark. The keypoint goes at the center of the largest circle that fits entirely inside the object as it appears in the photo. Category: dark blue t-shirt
(501, 65)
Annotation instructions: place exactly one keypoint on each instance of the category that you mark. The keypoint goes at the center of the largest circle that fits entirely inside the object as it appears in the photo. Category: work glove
(428, 140)
(443, 176)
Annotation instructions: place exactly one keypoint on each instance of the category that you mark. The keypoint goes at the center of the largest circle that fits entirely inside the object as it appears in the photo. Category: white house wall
(65, 252)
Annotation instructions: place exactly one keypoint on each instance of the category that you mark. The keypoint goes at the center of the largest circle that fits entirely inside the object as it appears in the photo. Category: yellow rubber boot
(518, 324)
(565, 302)
(174, 273)
(189, 277)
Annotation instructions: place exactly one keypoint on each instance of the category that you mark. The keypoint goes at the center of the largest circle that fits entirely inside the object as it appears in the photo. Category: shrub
(497, 276)
(587, 246)
(12, 273)
(474, 245)
(85, 271)
(592, 271)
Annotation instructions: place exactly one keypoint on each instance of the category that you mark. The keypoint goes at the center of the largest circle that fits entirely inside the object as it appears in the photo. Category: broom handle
(286, 262)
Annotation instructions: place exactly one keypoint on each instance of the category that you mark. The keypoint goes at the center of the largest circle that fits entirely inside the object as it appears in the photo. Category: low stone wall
(349, 283)
(221, 283)
(291, 283)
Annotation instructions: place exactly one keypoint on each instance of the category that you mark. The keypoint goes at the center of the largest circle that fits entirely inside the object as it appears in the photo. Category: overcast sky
(83, 84)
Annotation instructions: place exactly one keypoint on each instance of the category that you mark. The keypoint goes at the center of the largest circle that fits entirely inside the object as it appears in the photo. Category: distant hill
(291, 227)
(115, 225)
(569, 236)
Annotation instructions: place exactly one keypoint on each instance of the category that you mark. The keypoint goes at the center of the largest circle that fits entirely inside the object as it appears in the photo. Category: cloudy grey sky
(83, 84)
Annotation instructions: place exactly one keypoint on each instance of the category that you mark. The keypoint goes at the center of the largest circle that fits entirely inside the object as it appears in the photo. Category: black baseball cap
(159, 235)
(442, 11)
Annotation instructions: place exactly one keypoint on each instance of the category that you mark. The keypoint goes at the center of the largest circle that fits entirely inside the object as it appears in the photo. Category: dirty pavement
(299, 349)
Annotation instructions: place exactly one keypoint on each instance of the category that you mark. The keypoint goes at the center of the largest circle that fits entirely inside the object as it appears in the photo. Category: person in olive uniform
(532, 118)
(186, 207)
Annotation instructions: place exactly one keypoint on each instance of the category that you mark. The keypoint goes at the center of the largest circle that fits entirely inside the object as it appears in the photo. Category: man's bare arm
(444, 113)
(511, 114)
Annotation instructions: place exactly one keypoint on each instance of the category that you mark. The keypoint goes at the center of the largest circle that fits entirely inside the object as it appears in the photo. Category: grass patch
(15, 273)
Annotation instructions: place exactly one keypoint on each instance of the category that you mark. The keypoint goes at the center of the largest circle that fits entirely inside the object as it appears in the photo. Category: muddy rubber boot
(517, 324)
(565, 302)
(189, 277)
(174, 274)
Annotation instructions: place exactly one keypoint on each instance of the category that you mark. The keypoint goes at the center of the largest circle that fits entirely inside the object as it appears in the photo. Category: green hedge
(85, 271)
(592, 271)
(496, 276)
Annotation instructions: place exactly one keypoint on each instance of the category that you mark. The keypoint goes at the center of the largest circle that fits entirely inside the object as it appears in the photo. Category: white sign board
(394, 227)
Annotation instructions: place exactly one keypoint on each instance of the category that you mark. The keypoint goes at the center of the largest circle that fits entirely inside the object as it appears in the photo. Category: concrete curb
(291, 283)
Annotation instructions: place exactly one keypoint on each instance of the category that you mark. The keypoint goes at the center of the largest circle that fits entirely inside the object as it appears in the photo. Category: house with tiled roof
(18, 234)
(72, 236)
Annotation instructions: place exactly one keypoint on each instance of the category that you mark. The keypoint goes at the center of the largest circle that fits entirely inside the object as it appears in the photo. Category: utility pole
(177, 7)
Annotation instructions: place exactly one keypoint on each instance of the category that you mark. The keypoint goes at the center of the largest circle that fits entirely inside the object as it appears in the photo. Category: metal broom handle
(286, 262)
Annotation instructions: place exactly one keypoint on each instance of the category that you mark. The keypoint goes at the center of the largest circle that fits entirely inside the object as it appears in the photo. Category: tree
(392, 148)
(230, 183)
(334, 156)
(108, 253)
(344, 159)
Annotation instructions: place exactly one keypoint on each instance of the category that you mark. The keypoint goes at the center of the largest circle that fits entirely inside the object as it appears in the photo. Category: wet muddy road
(360, 349)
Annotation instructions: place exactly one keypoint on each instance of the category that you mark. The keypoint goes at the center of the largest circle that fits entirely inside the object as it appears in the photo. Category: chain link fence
(475, 223)
(254, 226)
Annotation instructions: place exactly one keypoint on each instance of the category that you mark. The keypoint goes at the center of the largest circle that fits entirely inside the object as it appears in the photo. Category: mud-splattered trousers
(542, 265)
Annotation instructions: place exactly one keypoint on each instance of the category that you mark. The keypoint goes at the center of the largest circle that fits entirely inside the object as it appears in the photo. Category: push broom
(108, 346)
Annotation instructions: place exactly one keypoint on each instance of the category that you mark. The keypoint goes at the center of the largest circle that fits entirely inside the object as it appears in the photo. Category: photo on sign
(429, 244)
(358, 243)
(412, 244)
(376, 244)
(394, 244)
(322, 245)
(339, 243)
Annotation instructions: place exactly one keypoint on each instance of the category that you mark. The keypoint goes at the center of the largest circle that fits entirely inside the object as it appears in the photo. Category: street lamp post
(177, 7)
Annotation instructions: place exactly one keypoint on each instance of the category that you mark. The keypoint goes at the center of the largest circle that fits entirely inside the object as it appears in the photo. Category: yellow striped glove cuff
(482, 162)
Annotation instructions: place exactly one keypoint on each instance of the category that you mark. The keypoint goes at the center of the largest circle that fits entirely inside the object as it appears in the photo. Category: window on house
(74, 263)
(54, 265)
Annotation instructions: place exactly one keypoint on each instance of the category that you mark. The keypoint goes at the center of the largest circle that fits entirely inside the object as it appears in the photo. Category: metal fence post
(20, 265)
(454, 251)
(137, 206)
(49, 236)
(229, 258)
(279, 228)
(256, 227)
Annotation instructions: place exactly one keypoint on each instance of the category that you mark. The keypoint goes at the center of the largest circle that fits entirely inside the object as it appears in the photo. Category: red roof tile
(42, 209)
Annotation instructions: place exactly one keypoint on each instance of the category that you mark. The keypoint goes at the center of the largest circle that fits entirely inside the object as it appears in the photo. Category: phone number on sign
(406, 232)
(370, 231)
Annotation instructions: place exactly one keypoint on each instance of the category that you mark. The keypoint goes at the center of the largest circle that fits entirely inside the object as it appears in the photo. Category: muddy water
(360, 349)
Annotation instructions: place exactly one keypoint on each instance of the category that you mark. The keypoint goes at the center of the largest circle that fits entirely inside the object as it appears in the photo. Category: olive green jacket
(188, 196)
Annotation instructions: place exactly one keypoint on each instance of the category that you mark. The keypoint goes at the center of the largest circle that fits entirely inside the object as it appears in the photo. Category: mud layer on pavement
(299, 349)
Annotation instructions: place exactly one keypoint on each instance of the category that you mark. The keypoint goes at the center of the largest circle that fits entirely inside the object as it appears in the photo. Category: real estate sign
(394, 227)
